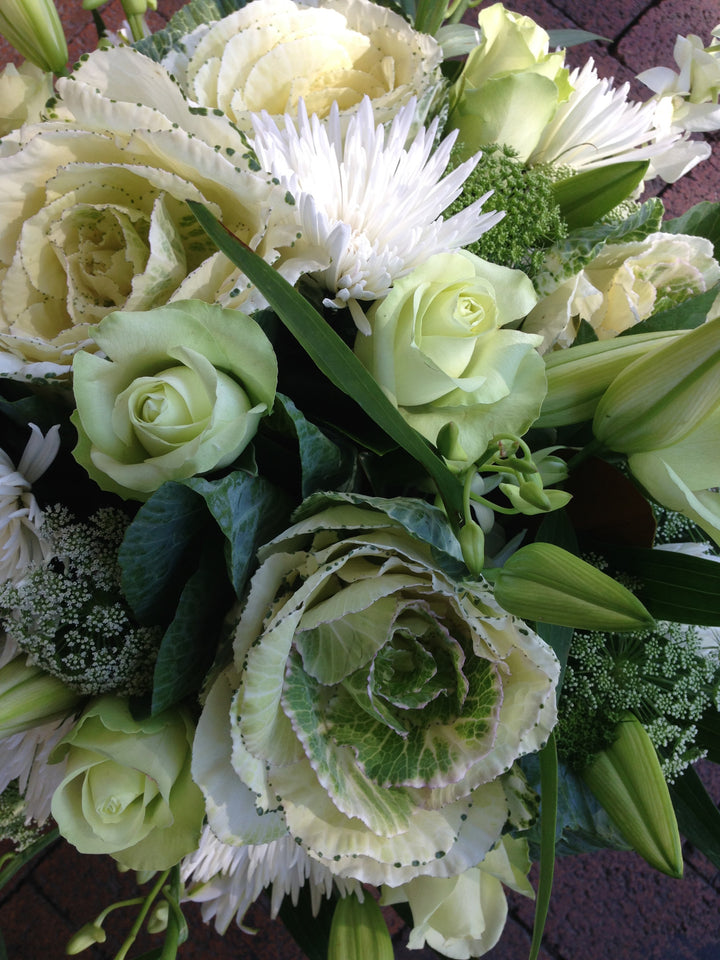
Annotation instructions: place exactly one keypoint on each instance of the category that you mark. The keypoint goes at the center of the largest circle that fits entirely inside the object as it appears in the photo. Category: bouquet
(359, 510)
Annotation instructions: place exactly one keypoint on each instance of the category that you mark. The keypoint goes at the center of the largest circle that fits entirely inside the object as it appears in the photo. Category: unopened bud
(541, 581)
(627, 780)
(358, 931)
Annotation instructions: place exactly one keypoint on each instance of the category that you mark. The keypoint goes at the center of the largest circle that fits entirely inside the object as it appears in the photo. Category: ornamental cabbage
(374, 706)
(272, 53)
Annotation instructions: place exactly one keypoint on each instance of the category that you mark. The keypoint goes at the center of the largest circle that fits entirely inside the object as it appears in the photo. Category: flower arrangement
(359, 511)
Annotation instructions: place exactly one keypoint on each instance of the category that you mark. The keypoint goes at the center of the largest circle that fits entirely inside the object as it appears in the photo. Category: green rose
(374, 705)
(127, 789)
(181, 392)
(510, 86)
(438, 349)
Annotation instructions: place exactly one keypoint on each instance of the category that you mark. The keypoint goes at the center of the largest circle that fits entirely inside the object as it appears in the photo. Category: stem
(139, 920)
(20, 859)
(592, 449)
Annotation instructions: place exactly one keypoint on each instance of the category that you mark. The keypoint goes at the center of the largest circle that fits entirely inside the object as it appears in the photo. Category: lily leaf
(586, 197)
(331, 355)
(698, 817)
(673, 586)
(548, 820)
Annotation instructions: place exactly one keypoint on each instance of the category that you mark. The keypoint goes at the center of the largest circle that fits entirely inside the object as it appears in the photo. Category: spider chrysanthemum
(368, 207)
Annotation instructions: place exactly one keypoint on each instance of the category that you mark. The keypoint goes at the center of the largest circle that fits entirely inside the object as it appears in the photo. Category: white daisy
(21, 541)
(597, 125)
(366, 203)
(226, 879)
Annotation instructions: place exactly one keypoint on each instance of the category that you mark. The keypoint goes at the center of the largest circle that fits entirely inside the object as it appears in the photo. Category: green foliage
(532, 217)
(585, 198)
(702, 220)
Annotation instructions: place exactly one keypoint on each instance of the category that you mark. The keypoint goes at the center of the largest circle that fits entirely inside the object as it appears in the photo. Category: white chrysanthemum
(24, 757)
(21, 541)
(226, 879)
(597, 125)
(367, 204)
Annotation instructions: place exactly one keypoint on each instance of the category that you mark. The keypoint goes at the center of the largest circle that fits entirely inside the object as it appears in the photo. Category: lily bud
(660, 399)
(578, 377)
(86, 937)
(627, 780)
(472, 543)
(33, 27)
(30, 697)
(541, 581)
(358, 931)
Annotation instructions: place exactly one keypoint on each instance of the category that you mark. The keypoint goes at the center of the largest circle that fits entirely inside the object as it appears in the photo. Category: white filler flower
(21, 541)
(368, 207)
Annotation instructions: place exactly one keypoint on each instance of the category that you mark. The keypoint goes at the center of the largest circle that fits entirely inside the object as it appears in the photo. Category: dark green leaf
(684, 316)
(159, 551)
(583, 826)
(585, 334)
(331, 355)
(570, 38)
(697, 816)
(548, 821)
(249, 511)
(21, 857)
(708, 735)
(702, 220)
(673, 586)
(311, 933)
(586, 197)
(188, 646)
(323, 464)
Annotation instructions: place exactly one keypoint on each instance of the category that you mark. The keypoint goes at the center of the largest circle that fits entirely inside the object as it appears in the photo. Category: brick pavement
(609, 905)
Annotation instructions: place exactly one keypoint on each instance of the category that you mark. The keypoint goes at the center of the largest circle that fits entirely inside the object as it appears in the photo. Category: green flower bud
(544, 582)
(627, 780)
(30, 697)
(86, 936)
(578, 377)
(660, 399)
(33, 27)
(359, 931)
(472, 543)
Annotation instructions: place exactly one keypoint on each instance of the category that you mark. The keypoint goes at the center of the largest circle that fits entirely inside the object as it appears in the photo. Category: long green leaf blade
(331, 355)
(673, 586)
(698, 817)
(548, 818)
